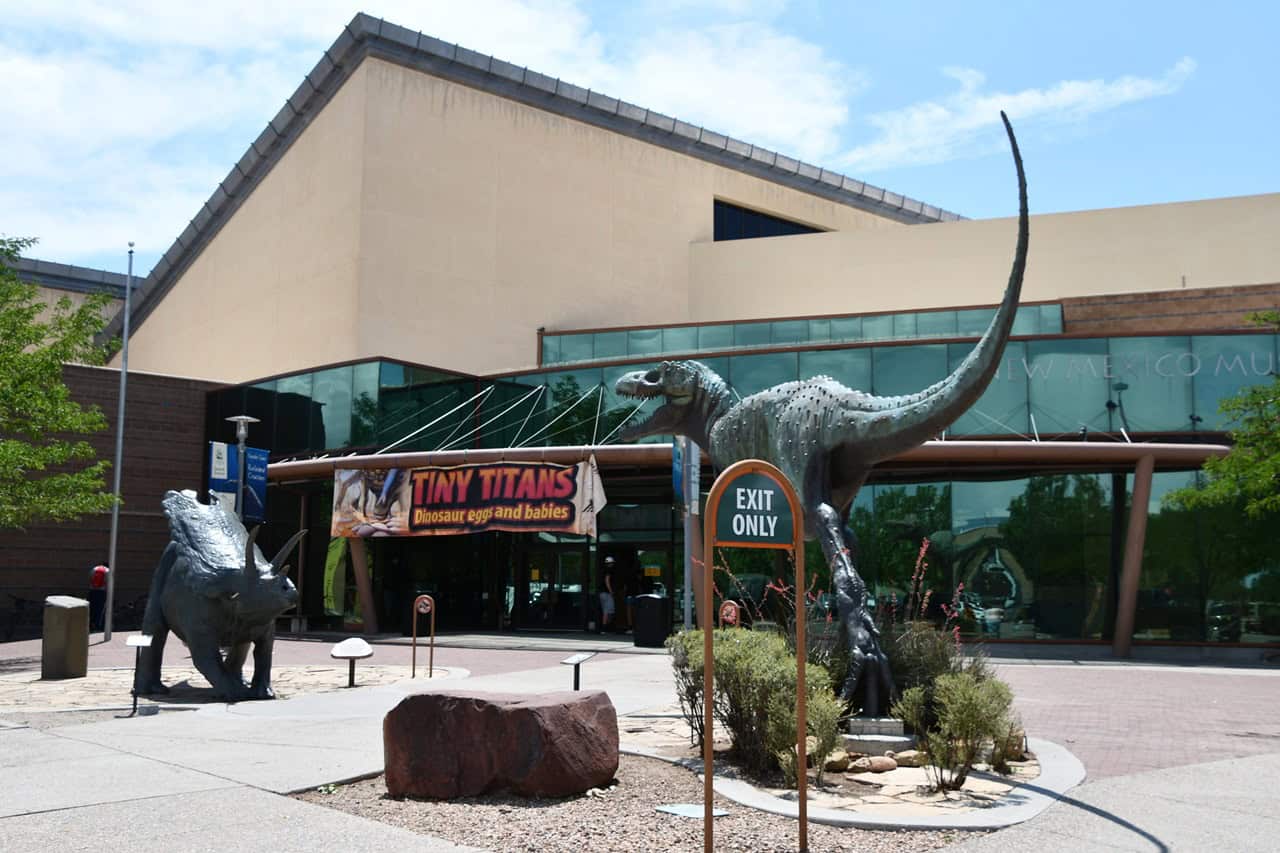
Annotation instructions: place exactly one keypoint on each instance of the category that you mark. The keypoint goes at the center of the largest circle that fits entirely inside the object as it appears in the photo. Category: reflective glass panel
(973, 321)
(904, 325)
(1068, 385)
(751, 334)
(877, 328)
(936, 324)
(550, 349)
(610, 345)
(907, 369)
(849, 366)
(1146, 399)
(332, 394)
(1027, 320)
(294, 410)
(819, 331)
(718, 337)
(364, 403)
(681, 339)
(1207, 575)
(1221, 365)
(752, 373)
(1051, 319)
(846, 328)
(644, 342)
(790, 331)
(576, 347)
(1002, 408)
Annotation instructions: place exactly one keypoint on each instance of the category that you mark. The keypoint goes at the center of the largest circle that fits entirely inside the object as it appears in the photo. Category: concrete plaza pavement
(1180, 758)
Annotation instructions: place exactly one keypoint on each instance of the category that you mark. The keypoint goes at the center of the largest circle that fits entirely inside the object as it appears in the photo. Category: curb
(1060, 771)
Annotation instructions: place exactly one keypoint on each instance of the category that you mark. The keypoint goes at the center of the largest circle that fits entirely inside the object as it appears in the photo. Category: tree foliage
(47, 470)
(1250, 473)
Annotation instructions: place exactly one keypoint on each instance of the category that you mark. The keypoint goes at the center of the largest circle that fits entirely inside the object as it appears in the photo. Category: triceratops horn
(250, 564)
(284, 552)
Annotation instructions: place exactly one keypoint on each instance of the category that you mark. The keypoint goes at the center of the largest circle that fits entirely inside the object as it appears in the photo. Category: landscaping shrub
(970, 712)
(755, 690)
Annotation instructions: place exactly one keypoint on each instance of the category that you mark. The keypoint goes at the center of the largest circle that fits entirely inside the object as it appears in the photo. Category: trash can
(653, 620)
(64, 652)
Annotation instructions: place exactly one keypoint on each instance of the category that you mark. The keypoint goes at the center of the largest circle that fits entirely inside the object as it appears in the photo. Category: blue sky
(122, 117)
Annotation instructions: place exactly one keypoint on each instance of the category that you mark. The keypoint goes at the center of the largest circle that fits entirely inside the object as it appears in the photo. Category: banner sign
(224, 469)
(511, 496)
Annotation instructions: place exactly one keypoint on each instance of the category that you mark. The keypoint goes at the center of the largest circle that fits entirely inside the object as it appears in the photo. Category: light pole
(242, 432)
(115, 506)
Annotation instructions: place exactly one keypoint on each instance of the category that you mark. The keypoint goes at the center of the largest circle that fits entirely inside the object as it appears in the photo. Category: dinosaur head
(693, 398)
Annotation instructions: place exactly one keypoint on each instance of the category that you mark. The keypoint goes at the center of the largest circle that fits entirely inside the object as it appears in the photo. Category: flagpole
(115, 506)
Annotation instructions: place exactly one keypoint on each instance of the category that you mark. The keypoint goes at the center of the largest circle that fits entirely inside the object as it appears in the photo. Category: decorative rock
(837, 762)
(909, 758)
(457, 744)
(874, 764)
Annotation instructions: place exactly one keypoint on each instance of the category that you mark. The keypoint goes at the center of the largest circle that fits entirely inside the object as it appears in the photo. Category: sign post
(426, 605)
(751, 505)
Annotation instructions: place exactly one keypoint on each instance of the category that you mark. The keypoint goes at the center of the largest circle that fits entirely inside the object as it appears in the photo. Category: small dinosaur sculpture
(825, 437)
(215, 590)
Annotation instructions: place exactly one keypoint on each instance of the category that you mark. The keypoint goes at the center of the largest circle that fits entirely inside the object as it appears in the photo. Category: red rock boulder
(458, 744)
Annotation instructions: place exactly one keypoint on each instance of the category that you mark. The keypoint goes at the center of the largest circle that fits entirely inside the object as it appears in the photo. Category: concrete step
(878, 744)
(875, 726)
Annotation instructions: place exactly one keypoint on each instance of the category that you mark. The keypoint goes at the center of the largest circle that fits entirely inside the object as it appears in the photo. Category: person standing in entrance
(606, 593)
(97, 596)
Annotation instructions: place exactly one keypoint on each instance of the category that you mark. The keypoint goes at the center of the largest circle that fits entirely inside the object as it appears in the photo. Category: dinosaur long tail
(919, 417)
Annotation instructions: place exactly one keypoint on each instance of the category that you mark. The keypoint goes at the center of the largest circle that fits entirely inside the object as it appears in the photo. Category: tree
(1250, 473)
(47, 471)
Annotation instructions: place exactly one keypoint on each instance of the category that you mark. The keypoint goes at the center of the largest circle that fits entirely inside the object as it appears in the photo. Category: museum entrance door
(553, 586)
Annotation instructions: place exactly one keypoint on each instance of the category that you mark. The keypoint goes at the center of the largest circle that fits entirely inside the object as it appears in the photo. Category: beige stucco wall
(485, 219)
(51, 295)
(1122, 250)
(276, 289)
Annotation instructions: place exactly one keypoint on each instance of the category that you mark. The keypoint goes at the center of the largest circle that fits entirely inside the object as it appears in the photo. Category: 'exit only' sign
(754, 512)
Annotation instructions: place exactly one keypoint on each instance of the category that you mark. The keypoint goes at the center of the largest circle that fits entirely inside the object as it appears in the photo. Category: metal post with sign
(751, 505)
(686, 475)
(425, 605)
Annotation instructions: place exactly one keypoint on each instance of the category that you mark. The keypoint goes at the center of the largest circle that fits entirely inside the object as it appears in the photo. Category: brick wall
(1189, 310)
(163, 449)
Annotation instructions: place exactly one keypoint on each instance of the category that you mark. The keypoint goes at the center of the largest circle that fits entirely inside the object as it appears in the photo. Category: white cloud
(120, 118)
(961, 124)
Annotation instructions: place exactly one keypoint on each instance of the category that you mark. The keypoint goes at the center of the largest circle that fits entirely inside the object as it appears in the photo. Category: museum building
(432, 257)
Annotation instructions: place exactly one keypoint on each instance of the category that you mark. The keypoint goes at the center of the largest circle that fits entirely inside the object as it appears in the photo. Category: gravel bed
(621, 818)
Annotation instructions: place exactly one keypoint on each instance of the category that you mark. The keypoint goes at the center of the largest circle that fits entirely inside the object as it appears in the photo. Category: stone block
(878, 744)
(876, 726)
(65, 650)
(460, 744)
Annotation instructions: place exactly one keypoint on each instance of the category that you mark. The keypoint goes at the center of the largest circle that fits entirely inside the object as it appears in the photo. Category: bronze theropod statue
(215, 590)
(825, 437)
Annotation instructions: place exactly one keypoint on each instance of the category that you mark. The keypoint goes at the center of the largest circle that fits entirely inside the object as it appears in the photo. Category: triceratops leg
(234, 663)
(207, 658)
(146, 679)
(262, 647)
(867, 682)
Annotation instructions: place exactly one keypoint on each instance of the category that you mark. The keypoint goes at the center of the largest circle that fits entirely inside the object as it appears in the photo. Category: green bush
(755, 693)
(919, 653)
(969, 711)
(686, 659)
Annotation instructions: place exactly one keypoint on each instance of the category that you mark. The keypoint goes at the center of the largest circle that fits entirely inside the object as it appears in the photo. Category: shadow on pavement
(1102, 813)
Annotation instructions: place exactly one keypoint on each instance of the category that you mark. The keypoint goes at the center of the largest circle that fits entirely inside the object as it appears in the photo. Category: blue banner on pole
(224, 469)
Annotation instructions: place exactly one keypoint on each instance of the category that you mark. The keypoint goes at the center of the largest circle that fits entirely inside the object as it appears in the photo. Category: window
(738, 223)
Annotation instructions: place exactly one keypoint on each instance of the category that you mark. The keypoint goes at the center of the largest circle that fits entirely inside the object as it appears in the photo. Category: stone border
(1060, 771)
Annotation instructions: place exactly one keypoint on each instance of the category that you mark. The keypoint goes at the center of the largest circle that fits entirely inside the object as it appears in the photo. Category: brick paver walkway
(1127, 718)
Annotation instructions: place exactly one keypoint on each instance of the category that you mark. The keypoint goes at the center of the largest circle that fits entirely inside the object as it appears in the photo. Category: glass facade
(1051, 388)
(1038, 557)
(570, 347)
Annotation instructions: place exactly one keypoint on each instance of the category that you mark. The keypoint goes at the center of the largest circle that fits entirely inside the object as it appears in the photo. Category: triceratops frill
(215, 590)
